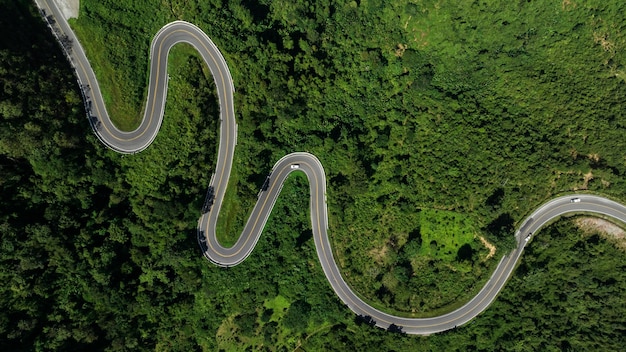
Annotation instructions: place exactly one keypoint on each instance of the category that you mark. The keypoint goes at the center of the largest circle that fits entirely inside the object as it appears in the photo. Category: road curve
(139, 139)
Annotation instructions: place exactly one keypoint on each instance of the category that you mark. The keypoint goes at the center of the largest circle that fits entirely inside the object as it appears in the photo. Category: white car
(528, 237)
(575, 200)
(295, 166)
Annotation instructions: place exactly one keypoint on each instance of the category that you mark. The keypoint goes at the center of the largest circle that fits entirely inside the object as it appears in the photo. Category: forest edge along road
(142, 137)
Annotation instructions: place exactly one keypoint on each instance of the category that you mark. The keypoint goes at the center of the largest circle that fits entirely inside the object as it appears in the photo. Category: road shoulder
(69, 8)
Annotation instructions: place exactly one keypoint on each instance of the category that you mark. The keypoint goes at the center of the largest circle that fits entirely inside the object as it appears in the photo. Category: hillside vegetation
(483, 109)
(437, 123)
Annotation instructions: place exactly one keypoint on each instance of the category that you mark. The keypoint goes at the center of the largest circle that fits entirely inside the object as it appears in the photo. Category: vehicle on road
(575, 200)
(528, 237)
(295, 166)
(208, 200)
(266, 184)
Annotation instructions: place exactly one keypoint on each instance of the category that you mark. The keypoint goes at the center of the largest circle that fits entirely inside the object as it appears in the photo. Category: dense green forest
(452, 119)
(475, 112)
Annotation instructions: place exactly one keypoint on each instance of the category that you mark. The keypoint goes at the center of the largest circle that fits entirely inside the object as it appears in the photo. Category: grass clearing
(123, 113)
(120, 58)
(228, 227)
(278, 305)
(444, 233)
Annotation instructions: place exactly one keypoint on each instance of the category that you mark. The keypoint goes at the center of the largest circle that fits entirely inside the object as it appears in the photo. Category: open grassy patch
(444, 233)
(278, 305)
(120, 57)
(227, 230)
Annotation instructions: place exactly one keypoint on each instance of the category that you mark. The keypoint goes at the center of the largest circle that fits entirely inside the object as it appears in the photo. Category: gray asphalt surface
(135, 141)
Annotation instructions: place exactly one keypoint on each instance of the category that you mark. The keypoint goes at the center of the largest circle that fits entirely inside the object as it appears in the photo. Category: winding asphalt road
(139, 139)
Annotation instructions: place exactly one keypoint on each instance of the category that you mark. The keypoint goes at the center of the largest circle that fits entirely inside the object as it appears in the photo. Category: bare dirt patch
(568, 5)
(604, 228)
(603, 40)
(587, 177)
(400, 49)
(379, 255)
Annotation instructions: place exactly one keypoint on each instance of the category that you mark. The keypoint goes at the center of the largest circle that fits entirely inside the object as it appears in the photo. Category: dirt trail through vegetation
(491, 247)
